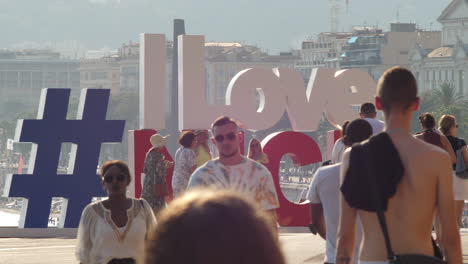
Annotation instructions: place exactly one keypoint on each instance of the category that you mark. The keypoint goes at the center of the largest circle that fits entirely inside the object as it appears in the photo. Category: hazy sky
(272, 24)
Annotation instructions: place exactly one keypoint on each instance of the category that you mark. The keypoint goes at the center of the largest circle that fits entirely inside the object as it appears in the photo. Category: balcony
(359, 47)
(359, 63)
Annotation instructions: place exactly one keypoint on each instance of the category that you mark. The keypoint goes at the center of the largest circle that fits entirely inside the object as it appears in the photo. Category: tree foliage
(442, 100)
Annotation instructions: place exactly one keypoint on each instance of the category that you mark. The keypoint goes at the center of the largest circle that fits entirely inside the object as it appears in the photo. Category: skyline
(272, 25)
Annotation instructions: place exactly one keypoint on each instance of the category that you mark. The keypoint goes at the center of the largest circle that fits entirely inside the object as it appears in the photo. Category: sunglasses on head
(220, 138)
(110, 178)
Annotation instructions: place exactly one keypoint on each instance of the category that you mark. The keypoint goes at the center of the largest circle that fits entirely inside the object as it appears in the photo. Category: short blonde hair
(446, 122)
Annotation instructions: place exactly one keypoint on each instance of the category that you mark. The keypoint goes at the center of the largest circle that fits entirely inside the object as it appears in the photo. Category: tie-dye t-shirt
(249, 177)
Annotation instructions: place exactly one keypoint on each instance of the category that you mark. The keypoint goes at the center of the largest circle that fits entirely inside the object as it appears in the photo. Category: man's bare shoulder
(430, 149)
(418, 153)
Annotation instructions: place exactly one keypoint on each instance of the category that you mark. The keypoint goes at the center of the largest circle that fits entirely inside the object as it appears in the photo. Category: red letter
(304, 150)
(138, 146)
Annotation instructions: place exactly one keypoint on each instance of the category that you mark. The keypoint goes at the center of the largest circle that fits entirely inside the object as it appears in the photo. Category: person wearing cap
(154, 183)
(368, 112)
(185, 163)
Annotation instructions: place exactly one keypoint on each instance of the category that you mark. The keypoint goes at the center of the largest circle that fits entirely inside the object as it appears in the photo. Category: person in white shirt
(114, 230)
(339, 146)
(235, 171)
(324, 193)
(368, 112)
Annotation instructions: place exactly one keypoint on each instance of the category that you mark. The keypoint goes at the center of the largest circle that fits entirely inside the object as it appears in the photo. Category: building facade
(119, 72)
(101, 73)
(362, 50)
(447, 63)
(23, 74)
(224, 60)
(371, 50)
(321, 52)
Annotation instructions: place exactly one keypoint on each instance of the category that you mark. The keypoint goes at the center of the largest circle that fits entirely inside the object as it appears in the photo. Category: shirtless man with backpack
(410, 200)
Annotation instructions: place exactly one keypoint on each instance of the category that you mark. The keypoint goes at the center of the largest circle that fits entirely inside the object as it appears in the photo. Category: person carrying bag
(391, 256)
(461, 170)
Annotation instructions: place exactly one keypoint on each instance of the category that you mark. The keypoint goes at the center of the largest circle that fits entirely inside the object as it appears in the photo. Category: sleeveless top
(431, 137)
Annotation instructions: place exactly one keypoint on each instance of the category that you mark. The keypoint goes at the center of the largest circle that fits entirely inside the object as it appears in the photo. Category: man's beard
(229, 155)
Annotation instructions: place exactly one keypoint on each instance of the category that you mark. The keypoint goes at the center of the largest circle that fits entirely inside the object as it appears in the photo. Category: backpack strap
(378, 202)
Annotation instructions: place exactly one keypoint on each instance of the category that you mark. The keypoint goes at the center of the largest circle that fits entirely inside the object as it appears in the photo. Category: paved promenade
(298, 248)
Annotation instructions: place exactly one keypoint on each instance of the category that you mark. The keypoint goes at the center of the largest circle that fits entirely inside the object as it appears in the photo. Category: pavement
(298, 248)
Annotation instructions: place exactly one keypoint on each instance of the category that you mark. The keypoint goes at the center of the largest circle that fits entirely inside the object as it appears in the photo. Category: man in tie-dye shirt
(234, 171)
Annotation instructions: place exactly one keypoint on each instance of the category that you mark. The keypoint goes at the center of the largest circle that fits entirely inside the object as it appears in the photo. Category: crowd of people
(377, 202)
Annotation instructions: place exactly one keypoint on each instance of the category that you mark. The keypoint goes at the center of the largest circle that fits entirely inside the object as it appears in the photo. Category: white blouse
(100, 240)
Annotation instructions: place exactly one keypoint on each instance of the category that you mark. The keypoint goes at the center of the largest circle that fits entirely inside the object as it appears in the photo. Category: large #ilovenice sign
(328, 92)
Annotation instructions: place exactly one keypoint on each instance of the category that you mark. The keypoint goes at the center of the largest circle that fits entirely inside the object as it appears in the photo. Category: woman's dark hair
(427, 121)
(358, 130)
(119, 164)
(186, 139)
(344, 127)
(208, 227)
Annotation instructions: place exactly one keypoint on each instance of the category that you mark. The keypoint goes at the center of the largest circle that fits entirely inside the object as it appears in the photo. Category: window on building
(63, 79)
(25, 80)
(98, 75)
(461, 79)
(3, 79)
(37, 80)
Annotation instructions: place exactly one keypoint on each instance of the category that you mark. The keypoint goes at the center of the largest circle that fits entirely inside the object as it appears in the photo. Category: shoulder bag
(460, 167)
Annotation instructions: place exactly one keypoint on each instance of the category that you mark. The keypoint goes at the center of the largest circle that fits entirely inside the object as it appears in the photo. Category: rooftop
(223, 44)
(29, 54)
(442, 52)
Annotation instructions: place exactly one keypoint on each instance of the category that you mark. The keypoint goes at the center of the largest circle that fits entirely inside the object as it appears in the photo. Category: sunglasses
(119, 178)
(220, 138)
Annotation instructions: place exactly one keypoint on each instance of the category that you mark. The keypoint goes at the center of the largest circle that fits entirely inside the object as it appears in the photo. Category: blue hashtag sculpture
(48, 132)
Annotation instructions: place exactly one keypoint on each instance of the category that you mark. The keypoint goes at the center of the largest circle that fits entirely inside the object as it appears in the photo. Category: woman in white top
(114, 231)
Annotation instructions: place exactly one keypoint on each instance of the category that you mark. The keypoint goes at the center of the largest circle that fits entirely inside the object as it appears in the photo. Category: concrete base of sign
(13, 232)
(293, 229)
(37, 232)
